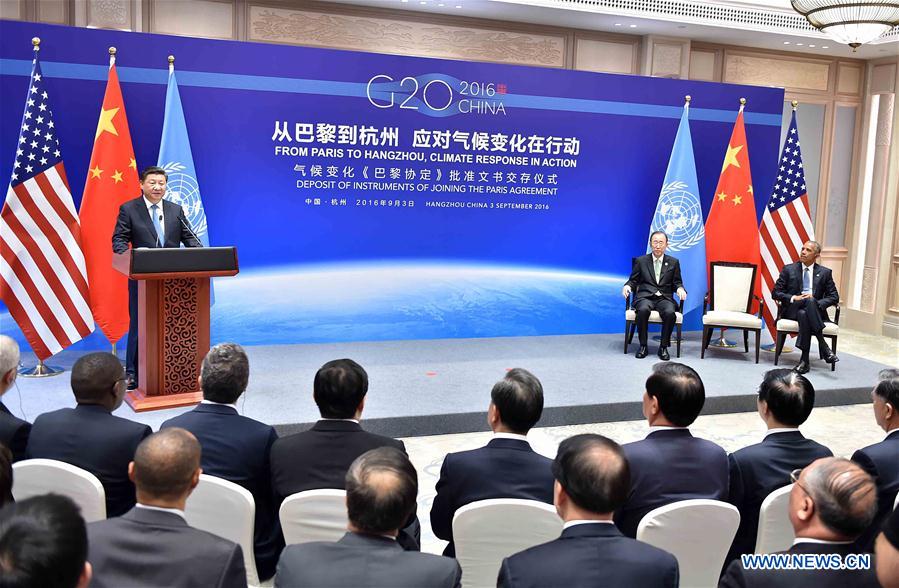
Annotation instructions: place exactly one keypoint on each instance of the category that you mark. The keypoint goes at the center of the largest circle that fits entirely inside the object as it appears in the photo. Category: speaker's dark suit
(668, 466)
(644, 287)
(320, 457)
(237, 449)
(504, 468)
(13, 433)
(135, 227)
(90, 437)
(758, 470)
(809, 313)
(737, 577)
(363, 560)
(594, 554)
(881, 460)
(150, 548)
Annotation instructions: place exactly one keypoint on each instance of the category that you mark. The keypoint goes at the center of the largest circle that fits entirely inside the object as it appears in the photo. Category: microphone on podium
(190, 230)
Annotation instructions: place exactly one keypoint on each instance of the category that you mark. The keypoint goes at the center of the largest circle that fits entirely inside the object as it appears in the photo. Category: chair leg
(630, 337)
(627, 330)
(678, 339)
(706, 338)
(779, 345)
(745, 340)
(758, 336)
(833, 347)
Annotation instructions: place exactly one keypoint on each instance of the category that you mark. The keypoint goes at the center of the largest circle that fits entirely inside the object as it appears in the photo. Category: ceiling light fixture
(617, 24)
(632, 26)
(852, 22)
(786, 42)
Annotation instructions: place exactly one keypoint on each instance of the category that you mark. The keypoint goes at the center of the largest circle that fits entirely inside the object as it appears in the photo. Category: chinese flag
(111, 180)
(731, 231)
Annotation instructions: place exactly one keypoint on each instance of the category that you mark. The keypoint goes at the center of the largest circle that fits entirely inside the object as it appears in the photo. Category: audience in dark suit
(152, 545)
(382, 487)
(320, 457)
(881, 460)
(886, 552)
(592, 479)
(670, 464)
(43, 543)
(5, 475)
(89, 436)
(506, 467)
(785, 401)
(13, 430)
(236, 447)
(832, 502)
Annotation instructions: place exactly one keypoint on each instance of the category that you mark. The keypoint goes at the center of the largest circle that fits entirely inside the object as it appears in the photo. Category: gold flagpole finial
(112, 52)
(742, 104)
(171, 63)
(687, 98)
(795, 103)
(36, 42)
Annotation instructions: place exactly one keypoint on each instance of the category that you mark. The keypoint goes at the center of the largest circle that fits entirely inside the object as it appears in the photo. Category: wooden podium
(173, 319)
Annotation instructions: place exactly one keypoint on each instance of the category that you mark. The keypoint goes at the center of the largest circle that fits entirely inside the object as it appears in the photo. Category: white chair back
(896, 502)
(33, 477)
(314, 515)
(775, 533)
(732, 286)
(487, 531)
(228, 510)
(697, 532)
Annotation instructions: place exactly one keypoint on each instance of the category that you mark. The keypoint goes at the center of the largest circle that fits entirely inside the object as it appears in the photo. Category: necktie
(807, 281)
(658, 268)
(160, 234)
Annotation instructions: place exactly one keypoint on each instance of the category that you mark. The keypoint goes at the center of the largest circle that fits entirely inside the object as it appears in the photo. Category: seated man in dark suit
(805, 290)
(89, 436)
(671, 464)
(654, 279)
(152, 545)
(887, 552)
(319, 458)
(13, 430)
(5, 476)
(832, 502)
(785, 401)
(592, 481)
(235, 447)
(881, 460)
(43, 542)
(381, 490)
(506, 467)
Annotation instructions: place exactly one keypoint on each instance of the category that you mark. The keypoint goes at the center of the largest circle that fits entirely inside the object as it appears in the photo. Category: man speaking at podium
(148, 221)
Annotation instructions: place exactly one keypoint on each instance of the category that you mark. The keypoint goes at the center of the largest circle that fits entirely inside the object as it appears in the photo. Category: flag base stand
(41, 370)
(722, 343)
(770, 348)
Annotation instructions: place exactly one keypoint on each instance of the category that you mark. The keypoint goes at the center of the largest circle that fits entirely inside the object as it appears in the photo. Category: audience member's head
(339, 389)
(885, 397)
(886, 552)
(833, 499)
(516, 402)
(674, 395)
(381, 489)
(43, 542)
(888, 374)
(99, 378)
(5, 475)
(9, 362)
(592, 477)
(224, 373)
(786, 398)
(166, 468)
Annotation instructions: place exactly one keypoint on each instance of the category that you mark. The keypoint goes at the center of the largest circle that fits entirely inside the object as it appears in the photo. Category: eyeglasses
(794, 475)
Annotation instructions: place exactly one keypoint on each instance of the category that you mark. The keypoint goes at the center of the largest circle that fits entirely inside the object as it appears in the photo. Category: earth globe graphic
(184, 190)
(680, 216)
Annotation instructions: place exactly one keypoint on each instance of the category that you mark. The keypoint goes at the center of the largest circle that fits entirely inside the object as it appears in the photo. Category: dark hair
(339, 387)
(224, 373)
(94, 375)
(153, 170)
(845, 495)
(790, 396)
(165, 462)
(5, 475)
(519, 399)
(662, 233)
(888, 389)
(381, 488)
(594, 472)
(43, 542)
(679, 390)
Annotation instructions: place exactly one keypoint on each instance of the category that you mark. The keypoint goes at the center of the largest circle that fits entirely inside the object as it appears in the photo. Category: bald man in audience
(90, 436)
(13, 430)
(592, 480)
(152, 545)
(832, 502)
(381, 491)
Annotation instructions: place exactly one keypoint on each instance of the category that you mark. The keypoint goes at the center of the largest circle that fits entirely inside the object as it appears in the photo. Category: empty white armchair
(314, 515)
(775, 533)
(729, 302)
(487, 531)
(33, 477)
(697, 532)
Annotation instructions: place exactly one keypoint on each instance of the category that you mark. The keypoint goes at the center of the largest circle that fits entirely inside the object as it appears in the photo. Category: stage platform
(443, 386)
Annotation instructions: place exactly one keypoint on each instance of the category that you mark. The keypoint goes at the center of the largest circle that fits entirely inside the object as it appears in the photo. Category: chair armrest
(705, 303)
(627, 302)
(836, 316)
(761, 304)
(680, 306)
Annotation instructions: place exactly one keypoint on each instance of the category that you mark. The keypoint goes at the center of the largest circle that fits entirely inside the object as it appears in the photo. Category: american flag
(43, 279)
(787, 222)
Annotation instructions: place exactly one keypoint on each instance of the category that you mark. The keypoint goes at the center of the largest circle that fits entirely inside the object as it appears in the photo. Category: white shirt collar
(204, 401)
(515, 436)
(893, 432)
(176, 511)
(798, 540)
(149, 204)
(585, 522)
(659, 258)
(347, 420)
(655, 428)
(810, 267)
(781, 430)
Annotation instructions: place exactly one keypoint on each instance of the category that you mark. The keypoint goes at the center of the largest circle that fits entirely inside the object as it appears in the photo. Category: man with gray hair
(13, 430)
(805, 290)
(235, 447)
(832, 502)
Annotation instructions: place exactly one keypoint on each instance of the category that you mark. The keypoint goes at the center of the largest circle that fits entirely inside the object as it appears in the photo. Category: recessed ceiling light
(799, 44)
(423, 1)
(617, 24)
(825, 47)
(632, 26)
(786, 42)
